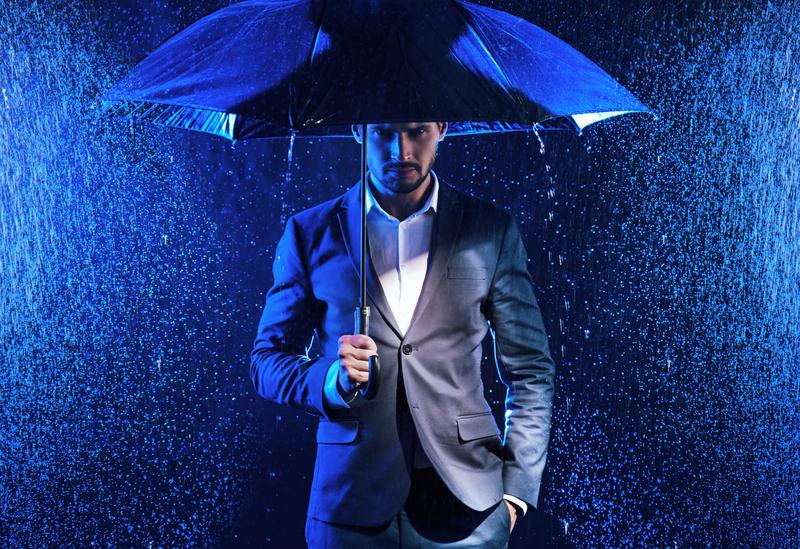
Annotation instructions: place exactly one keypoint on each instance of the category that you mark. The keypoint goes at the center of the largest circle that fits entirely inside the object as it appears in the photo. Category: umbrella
(311, 68)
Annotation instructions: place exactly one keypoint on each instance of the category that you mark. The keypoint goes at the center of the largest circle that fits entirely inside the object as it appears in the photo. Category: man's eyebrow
(388, 127)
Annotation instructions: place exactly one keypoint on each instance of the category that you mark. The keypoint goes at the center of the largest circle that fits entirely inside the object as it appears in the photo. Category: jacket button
(407, 349)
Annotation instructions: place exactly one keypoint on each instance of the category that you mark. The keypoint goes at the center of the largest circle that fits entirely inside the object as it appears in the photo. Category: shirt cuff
(332, 395)
(521, 504)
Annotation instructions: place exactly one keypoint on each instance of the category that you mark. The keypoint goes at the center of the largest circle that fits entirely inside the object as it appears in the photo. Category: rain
(665, 254)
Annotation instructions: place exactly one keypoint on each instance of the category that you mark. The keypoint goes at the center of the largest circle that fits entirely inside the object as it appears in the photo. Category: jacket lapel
(446, 225)
(350, 224)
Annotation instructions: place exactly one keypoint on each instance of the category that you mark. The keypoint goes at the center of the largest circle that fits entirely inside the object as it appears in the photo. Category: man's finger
(362, 377)
(363, 342)
(348, 351)
(354, 365)
(360, 354)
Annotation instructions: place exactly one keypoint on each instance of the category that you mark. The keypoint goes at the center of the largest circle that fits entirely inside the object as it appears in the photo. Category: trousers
(431, 517)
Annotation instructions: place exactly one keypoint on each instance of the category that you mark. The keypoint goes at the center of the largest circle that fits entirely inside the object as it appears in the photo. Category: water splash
(287, 183)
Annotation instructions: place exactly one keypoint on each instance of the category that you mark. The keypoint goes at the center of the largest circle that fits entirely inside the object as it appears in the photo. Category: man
(423, 463)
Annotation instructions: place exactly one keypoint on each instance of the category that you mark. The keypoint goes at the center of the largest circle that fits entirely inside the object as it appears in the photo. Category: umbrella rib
(317, 31)
(471, 28)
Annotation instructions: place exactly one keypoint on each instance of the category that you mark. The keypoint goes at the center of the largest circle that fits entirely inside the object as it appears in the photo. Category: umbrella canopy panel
(313, 67)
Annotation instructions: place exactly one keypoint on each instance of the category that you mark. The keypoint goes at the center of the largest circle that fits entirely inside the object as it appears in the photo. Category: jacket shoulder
(319, 214)
(481, 210)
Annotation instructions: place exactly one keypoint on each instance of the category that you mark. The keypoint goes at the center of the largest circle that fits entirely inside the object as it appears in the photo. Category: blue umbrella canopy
(274, 68)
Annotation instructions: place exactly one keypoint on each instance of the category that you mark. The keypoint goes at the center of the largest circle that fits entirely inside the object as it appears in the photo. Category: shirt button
(407, 349)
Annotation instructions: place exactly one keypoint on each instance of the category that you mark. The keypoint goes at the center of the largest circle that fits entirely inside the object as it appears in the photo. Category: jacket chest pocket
(465, 289)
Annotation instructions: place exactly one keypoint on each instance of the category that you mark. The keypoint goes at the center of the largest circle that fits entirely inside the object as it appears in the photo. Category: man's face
(400, 156)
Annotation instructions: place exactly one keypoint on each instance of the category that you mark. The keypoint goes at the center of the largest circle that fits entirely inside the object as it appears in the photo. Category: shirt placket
(401, 271)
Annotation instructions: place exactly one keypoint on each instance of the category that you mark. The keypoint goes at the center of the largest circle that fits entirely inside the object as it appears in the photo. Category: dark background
(134, 262)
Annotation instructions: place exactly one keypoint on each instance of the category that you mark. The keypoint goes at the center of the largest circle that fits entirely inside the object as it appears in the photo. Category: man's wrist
(347, 396)
(333, 395)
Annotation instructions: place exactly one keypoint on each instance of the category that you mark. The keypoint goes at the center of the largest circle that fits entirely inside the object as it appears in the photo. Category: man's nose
(401, 147)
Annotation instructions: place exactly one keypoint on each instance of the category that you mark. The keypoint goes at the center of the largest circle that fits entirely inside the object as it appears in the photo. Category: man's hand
(513, 512)
(354, 353)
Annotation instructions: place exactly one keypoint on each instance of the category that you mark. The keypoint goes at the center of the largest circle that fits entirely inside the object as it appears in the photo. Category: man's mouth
(403, 170)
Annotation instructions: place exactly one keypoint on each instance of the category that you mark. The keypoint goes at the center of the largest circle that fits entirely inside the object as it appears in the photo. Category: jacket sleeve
(525, 366)
(280, 368)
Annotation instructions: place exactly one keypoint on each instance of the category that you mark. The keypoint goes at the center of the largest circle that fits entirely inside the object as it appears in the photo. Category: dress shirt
(399, 252)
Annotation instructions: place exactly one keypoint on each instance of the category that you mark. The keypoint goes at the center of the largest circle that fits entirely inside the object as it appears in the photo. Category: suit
(476, 280)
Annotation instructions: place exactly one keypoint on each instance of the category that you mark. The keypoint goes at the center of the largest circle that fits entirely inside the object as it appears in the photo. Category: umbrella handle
(370, 389)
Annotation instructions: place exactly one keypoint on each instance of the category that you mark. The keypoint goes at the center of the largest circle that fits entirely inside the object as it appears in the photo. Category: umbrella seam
(471, 29)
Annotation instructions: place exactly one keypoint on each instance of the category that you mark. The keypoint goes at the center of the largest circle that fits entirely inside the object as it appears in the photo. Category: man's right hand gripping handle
(355, 352)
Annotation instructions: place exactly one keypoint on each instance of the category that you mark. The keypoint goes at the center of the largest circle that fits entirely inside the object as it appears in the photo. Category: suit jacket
(477, 281)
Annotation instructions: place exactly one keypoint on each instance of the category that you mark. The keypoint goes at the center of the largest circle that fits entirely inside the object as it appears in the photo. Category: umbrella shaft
(363, 301)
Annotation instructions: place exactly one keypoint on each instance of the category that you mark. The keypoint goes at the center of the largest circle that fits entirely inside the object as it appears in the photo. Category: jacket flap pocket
(337, 432)
(477, 426)
(471, 273)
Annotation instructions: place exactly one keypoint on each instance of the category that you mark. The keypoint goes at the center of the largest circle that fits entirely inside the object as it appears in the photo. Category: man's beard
(417, 184)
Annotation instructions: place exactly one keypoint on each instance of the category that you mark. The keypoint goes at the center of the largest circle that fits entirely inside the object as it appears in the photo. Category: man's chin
(404, 184)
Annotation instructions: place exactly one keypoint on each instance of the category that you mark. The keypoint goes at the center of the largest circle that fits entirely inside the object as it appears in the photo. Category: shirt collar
(431, 203)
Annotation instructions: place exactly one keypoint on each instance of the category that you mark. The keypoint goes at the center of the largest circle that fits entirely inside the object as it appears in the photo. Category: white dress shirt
(399, 252)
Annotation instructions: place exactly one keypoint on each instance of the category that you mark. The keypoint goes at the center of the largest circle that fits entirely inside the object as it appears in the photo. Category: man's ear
(442, 130)
(356, 129)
